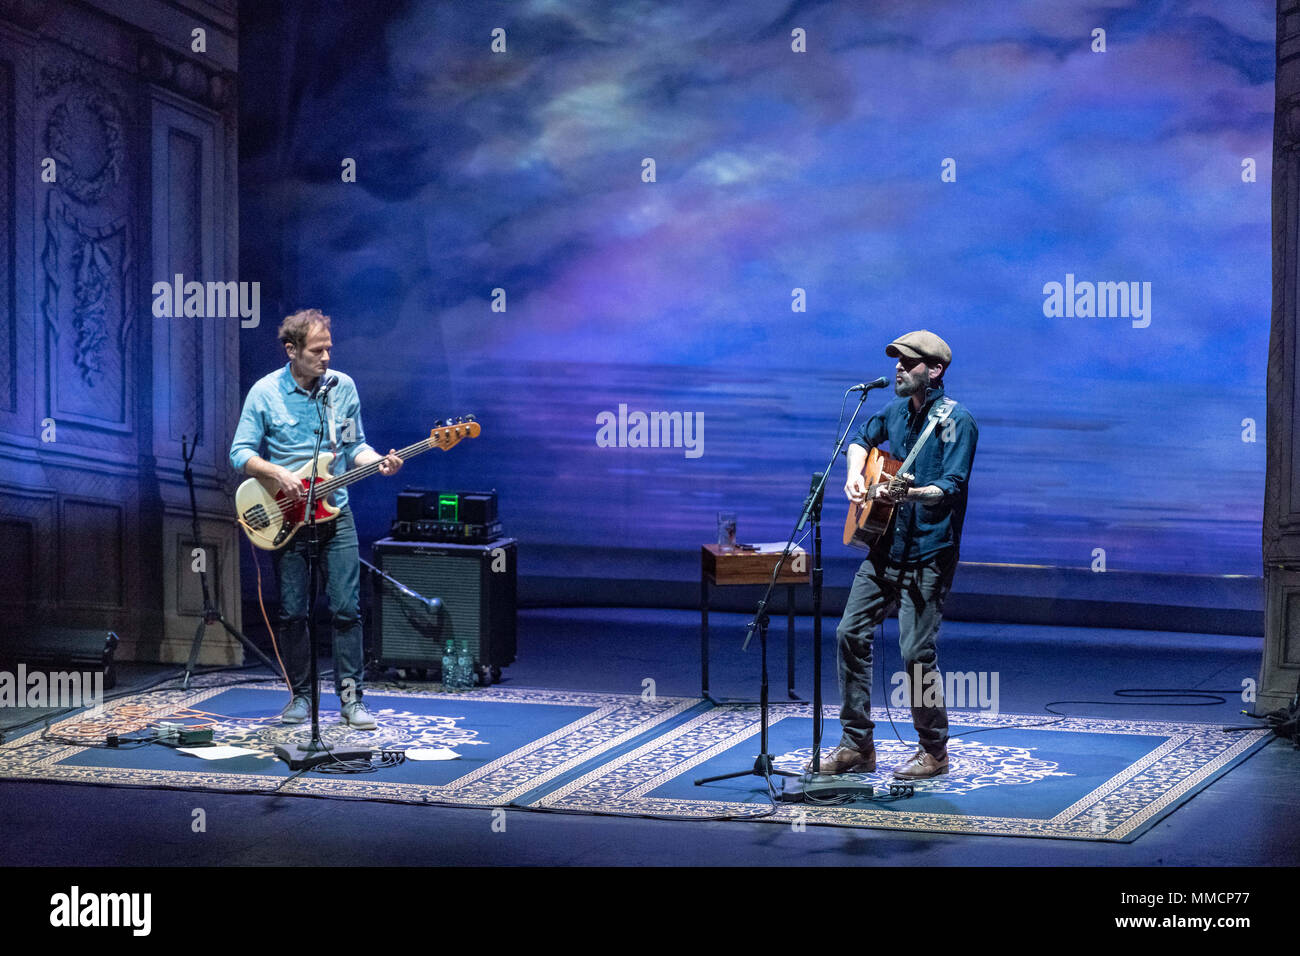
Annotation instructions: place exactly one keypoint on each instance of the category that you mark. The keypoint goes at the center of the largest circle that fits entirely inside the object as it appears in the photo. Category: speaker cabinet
(477, 584)
(46, 647)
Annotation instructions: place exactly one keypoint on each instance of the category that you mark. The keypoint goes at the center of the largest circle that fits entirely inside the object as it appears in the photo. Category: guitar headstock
(453, 431)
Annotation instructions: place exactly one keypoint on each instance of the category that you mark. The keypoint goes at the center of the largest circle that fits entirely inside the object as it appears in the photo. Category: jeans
(340, 572)
(920, 591)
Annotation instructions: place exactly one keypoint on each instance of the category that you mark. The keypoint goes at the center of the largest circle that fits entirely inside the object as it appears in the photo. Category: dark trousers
(340, 577)
(919, 591)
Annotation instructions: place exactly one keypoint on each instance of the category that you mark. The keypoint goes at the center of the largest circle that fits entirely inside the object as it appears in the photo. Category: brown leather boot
(922, 765)
(846, 760)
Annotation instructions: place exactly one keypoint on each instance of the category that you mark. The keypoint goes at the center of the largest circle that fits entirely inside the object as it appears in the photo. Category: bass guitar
(271, 519)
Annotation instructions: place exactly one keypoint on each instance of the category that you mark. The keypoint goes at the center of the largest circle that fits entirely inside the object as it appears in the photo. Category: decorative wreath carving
(61, 132)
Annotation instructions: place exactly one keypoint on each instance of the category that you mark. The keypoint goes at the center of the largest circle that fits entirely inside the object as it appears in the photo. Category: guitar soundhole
(257, 518)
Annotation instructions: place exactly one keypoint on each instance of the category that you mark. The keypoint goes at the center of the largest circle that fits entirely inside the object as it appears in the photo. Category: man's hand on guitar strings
(290, 484)
(884, 493)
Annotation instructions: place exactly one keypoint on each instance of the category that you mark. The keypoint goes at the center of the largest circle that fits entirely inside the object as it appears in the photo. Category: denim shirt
(922, 529)
(279, 423)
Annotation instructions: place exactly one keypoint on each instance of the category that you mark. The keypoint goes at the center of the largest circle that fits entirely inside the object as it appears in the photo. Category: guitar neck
(365, 471)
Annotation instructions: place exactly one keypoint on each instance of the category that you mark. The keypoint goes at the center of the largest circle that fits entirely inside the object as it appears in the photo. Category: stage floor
(597, 662)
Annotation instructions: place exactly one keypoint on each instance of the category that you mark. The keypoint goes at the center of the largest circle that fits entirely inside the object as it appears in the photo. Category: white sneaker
(356, 715)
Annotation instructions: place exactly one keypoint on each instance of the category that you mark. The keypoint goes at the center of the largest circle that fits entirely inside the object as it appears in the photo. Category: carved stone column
(1281, 665)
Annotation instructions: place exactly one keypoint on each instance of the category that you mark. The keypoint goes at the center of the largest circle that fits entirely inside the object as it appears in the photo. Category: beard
(910, 385)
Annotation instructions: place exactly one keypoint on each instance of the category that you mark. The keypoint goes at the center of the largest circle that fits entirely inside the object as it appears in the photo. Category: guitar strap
(939, 411)
(334, 438)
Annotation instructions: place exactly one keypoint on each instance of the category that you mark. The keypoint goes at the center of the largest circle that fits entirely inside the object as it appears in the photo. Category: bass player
(281, 414)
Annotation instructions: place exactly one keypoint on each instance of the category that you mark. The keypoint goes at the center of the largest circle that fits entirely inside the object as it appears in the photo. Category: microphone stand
(433, 603)
(815, 515)
(812, 505)
(211, 611)
(763, 762)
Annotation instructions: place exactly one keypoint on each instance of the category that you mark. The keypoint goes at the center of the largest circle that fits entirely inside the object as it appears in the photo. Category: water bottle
(449, 674)
(464, 667)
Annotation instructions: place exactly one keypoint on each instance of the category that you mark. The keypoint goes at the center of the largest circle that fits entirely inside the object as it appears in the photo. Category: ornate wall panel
(189, 590)
(8, 322)
(29, 553)
(191, 215)
(186, 358)
(91, 554)
(18, 375)
(18, 544)
(140, 131)
(184, 154)
(88, 276)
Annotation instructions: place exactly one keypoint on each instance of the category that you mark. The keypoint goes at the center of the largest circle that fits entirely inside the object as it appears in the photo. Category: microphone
(432, 603)
(323, 387)
(868, 386)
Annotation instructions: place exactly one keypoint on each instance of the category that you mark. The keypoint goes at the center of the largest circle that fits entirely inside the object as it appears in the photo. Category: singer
(912, 563)
(277, 432)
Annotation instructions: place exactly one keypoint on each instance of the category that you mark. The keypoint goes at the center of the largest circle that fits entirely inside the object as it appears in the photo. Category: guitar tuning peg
(470, 418)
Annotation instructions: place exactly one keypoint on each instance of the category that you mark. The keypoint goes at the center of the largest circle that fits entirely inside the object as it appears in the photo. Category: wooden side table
(723, 568)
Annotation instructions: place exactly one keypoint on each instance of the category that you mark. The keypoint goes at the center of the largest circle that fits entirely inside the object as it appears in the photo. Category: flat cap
(922, 345)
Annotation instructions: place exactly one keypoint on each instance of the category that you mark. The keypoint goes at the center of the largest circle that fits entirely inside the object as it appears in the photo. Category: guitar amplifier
(451, 532)
(412, 504)
(470, 507)
(458, 517)
(478, 587)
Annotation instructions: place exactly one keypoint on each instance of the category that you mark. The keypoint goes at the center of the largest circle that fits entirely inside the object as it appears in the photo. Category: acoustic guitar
(271, 519)
(867, 522)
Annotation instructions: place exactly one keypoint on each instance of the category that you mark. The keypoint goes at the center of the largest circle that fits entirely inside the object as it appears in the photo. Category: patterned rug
(510, 742)
(1085, 778)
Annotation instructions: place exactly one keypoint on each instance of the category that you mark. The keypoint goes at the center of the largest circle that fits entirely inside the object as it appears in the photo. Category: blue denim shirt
(279, 423)
(922, 529)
